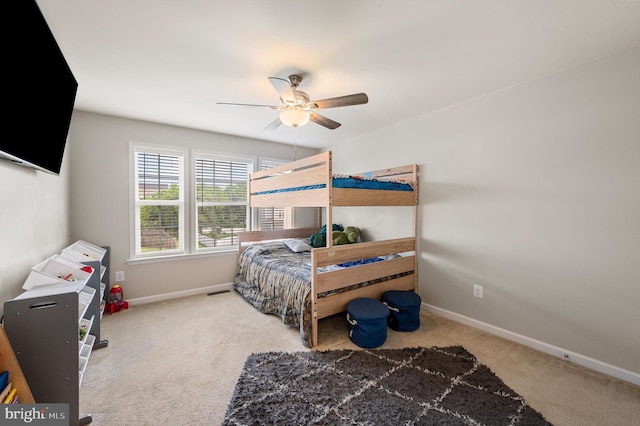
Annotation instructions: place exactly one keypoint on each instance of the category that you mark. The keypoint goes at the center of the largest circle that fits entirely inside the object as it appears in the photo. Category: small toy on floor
(116, 301)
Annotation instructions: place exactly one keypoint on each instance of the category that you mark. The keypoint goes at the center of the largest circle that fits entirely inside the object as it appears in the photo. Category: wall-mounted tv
(39, 91)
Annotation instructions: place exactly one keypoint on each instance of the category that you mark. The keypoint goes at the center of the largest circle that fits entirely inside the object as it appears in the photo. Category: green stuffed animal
(353, 234)
(319, 239)
(350, 235)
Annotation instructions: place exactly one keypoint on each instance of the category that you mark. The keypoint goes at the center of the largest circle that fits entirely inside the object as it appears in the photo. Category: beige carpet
(177, 362)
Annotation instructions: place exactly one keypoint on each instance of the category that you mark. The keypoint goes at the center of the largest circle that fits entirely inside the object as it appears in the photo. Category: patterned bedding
(277, 281)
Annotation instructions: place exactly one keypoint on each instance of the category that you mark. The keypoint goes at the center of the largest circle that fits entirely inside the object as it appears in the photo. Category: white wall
(534, 193)
(33, 221)
(100, 199)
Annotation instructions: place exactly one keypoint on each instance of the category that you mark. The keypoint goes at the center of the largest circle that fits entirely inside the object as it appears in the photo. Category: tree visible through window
(221, 200)
(190, 201)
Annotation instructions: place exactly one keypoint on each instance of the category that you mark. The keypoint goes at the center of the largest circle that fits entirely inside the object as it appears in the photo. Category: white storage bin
(85, 251)
(84, 299)
(85, 351)
(91, 339)
(85, 325)
(55, 270)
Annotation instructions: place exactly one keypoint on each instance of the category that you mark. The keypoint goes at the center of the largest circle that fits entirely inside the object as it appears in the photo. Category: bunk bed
(305, 286)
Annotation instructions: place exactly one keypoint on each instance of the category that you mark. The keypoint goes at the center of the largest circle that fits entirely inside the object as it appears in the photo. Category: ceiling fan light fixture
(294, 117)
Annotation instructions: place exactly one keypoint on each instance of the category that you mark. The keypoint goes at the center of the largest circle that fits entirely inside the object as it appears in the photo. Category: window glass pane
(221, 201)
(159, 228)
(272, 218)
(158, 176)
(221, 181)
(218, 226)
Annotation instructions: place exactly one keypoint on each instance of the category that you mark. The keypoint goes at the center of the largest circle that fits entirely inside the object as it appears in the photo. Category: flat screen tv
(40, 91)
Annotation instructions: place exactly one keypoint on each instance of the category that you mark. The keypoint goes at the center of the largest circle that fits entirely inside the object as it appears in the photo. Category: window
(269, 218)
(189, 202)
(221, 200)
(158, 202)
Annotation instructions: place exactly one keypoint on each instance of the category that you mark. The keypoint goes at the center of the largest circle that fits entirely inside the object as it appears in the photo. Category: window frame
(197, 154)
(135, 250)
(188, 203)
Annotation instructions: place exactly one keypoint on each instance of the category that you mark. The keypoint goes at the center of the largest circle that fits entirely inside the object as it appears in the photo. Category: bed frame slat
(312, 176)
(350, 252)
(337, 303)
(358, 274)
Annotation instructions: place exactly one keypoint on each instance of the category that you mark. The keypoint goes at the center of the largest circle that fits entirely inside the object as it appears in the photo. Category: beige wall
(534, 193)
(34, 221)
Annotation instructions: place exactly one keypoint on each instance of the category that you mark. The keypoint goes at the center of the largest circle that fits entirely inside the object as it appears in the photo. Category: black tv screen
(41, 91)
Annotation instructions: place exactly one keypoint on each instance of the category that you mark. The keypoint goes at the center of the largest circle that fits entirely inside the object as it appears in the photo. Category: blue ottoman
(367, 320)
(404, 307)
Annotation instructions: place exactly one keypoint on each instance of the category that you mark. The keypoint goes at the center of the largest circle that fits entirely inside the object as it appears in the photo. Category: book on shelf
(12, 398)
(4, 379)
(5, 392)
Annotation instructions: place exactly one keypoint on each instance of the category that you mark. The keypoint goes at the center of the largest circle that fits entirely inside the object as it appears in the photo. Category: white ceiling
(170, 61)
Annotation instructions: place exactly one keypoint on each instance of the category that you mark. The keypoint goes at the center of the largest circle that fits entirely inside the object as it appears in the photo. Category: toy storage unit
(90, 254)
(55, 324)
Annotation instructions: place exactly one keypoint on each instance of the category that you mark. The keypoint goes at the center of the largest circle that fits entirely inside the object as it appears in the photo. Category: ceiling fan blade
(283, 87)
(273, 125)
(324, 121)
(248, 105)
(340, 101)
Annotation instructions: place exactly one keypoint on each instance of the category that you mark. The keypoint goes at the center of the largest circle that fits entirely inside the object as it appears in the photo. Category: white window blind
(159, 202)
(273, 217)
(221, 200)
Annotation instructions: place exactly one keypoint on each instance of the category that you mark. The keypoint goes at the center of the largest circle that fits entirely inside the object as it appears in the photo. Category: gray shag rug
(413, 386)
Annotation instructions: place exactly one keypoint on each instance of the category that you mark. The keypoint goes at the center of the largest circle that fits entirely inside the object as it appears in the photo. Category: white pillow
(297, 246)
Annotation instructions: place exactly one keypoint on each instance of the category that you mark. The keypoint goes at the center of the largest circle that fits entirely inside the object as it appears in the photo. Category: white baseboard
(599, 366)
(178, 294)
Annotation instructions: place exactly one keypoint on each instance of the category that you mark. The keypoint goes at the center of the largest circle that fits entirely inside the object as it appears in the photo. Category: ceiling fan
(296, 109)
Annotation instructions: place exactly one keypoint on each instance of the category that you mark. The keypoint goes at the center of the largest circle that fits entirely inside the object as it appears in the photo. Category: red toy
(116, 301)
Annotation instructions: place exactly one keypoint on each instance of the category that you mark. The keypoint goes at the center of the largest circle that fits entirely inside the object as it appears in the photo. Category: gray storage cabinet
(43, 325)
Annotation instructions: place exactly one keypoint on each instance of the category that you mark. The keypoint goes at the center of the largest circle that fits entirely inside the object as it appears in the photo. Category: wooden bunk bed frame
(398, 273)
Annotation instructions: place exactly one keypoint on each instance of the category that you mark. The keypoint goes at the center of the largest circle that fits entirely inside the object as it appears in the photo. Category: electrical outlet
(477, 291)
(119, 276)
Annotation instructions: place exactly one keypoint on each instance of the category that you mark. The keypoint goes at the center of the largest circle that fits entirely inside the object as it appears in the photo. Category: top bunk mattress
(352, 182)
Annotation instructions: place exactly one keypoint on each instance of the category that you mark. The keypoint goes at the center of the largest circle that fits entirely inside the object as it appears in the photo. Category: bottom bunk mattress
(277, 281)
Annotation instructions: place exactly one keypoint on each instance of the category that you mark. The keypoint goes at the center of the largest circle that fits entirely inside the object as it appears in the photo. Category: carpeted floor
(177, 362)
(426, 386)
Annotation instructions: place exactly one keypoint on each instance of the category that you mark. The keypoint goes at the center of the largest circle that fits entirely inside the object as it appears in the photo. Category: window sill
(171, 258)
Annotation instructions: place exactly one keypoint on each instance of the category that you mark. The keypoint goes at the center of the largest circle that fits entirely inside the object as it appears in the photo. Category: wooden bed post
(415, 222)
(329, 242)
(314, 301)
